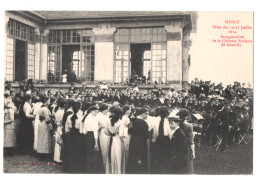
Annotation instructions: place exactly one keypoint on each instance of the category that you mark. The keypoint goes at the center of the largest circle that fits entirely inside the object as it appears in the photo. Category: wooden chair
(219, 142)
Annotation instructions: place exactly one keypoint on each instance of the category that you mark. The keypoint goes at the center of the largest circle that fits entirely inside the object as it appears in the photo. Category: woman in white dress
(9, 126)
(37, 107)
(44, 146)
(58, 120)
(94, 162)
(115, 159)
(126, 137)
(103, 121)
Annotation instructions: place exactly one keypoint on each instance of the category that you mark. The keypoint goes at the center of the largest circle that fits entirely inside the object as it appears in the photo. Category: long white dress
(126, 137)
(9, 128)
(57, 147)
(117, 163)
(103, 122)
(44, 141)
(37, 107)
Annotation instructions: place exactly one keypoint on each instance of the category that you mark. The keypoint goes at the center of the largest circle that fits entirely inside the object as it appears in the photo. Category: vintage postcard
(128, 92)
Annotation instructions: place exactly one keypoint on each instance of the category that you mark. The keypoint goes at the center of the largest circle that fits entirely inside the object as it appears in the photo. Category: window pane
(159, 62)
(122, 61)
(87, 36)
(54, 63)
(9, 60)
(88, 64)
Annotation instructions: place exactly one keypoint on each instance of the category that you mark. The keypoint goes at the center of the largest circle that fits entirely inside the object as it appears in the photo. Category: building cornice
(38, 18)
(31, 15)
(183, 18)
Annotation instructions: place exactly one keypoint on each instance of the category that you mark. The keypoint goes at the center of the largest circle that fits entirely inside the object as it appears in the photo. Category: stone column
(44, 54)
(185, 63)
(174, 52)
(5, 38)
(37, 54)
(104, 53)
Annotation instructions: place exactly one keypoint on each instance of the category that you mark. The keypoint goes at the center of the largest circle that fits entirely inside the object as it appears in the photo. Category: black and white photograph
(128, 92)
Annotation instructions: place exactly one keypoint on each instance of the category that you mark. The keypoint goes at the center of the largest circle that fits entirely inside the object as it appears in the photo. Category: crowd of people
(119, 131)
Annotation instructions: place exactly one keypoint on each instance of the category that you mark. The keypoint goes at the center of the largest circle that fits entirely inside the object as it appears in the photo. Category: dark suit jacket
(118, 98)
(179, 153)
(187, 128)
(108, 98)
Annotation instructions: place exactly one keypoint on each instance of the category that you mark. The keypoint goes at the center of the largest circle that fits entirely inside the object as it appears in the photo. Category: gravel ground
(208, 161)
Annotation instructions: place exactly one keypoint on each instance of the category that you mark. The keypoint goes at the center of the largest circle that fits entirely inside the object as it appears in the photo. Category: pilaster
(104, 53)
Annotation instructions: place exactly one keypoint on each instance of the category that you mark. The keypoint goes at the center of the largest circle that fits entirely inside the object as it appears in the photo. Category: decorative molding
(44, 35)
(37, 31)
(104, 31)
(104, 38)
(169, 28)
(174, 36)
(174, 31)
(45, 32)
(184, 23)
(187, 43)
(37, 35)
(21, 17)
(174, 27)
(104, 25)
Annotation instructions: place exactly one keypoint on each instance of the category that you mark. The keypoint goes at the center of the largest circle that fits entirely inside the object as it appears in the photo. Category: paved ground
(208, 161)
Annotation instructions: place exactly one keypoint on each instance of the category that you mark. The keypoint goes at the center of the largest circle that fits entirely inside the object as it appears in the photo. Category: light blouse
(166, 127)
(27, 110)
(58, 116)
(91, 125)
(78, 123)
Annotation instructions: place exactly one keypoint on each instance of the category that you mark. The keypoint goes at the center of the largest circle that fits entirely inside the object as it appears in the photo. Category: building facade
(98, 46)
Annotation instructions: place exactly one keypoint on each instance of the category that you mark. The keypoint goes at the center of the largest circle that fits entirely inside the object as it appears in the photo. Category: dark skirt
(138, 156)
(161, 155)
(73, 153)
(179, 162)
(26, 135)
(94, 160)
